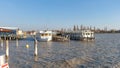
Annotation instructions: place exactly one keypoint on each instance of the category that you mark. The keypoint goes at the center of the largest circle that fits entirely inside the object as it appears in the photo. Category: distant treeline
(95, 29)
(110, 31)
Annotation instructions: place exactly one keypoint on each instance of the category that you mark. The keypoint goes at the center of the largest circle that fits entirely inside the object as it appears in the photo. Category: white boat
(44, 36)
(82, 35)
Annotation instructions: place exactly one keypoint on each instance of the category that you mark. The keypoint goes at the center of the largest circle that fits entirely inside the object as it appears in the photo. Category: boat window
(46, 34)
(49, 34)
(42, 34)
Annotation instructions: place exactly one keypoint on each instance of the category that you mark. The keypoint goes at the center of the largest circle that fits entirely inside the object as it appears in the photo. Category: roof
(45, 31)
(11, 28)
(5, 30)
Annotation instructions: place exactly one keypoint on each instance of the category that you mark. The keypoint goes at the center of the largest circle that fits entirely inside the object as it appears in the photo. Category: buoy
(27, 46)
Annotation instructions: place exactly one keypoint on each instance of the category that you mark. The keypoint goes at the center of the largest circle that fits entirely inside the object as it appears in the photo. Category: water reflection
(17, 43)
(44, 48)
(35, 58)
(88, 43)
(1, 41)
(65, 43)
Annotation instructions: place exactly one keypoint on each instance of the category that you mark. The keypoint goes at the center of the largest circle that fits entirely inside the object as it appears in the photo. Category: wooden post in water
(35, 48)
(7, 48)
(17, 42)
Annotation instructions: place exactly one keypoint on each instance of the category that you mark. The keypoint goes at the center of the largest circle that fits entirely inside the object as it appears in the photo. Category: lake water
(104, 52)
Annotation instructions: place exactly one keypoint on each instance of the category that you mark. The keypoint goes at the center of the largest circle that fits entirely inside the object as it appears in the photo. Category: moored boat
(61, 38)
(44, 36)
(82, 35)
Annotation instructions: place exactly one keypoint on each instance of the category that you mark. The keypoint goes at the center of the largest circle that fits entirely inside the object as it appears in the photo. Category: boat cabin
(44, 36)
(82, 35)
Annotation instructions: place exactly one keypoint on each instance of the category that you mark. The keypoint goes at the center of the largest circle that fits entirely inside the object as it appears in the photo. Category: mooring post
(7, 48)
(35, 48)
(17, 42)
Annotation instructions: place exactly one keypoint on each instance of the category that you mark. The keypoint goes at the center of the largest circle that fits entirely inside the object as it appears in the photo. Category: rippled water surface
(104, 52)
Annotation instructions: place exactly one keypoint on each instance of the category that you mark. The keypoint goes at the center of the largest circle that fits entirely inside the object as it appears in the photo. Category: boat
(44, 36)
(61, 38)
(82, 35)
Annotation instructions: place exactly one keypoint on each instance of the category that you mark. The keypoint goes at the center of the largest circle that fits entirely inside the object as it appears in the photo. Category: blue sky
(55, 14)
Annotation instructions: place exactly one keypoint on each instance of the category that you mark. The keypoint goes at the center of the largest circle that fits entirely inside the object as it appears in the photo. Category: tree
(77, 27)
(74, 28)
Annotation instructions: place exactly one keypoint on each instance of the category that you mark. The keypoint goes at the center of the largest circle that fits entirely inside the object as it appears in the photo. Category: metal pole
(35, 48)
(7, 49)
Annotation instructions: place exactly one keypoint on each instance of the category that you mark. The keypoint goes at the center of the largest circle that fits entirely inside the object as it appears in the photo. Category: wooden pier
(10, 37)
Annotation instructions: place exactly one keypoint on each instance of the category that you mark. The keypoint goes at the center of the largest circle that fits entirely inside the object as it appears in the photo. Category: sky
(56, 14)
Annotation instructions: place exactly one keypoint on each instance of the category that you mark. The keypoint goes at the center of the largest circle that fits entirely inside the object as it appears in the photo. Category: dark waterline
(104, 52)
